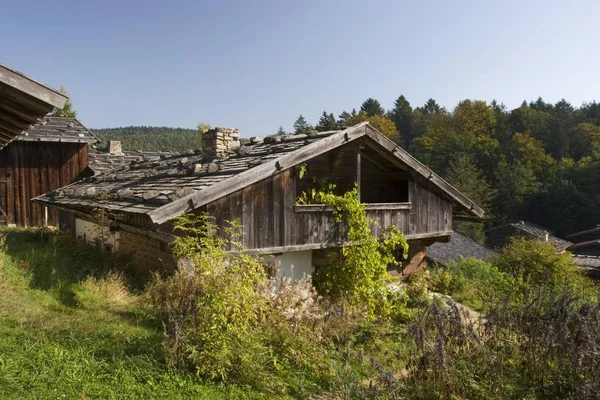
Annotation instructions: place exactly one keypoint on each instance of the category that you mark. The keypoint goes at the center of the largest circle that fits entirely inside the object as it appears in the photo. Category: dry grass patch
(111, 287)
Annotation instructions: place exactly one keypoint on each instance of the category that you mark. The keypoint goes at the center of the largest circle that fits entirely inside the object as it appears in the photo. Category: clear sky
(258, 64)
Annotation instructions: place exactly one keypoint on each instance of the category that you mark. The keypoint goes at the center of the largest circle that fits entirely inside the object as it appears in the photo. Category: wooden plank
(314, 246)
(368, 207)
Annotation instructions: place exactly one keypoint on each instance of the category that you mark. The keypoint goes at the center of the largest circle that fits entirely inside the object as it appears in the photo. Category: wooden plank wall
(266, 210)
(29, 169)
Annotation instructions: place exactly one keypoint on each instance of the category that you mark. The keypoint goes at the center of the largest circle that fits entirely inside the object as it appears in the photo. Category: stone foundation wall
(146, 252)
(219, 142)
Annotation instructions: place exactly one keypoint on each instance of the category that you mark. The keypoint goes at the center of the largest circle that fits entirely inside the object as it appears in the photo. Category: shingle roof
(58, 129)
(527, 230)
(458, 246)
(591, 264)
(101, 161)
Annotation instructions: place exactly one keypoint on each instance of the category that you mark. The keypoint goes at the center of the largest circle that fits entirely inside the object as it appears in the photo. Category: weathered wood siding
(266, 211)
(29, 169)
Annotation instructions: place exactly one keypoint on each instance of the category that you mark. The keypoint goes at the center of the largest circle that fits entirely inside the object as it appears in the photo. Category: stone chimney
(546, 236)
(220, 142)
(114, 147)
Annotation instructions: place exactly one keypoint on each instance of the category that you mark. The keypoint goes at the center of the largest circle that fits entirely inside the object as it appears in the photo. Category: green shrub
(357, 273)
(476, 282)
(225, 321)
(537, 263)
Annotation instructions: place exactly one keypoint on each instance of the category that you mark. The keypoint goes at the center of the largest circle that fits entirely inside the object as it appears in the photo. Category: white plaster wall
(294, 264)
(91, 233)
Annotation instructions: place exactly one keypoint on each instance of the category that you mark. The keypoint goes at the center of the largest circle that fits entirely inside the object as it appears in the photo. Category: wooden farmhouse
(51, 154)
(258, 182)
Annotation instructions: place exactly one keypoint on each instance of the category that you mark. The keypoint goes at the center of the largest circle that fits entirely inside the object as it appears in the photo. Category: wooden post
(358, 172)
(45, 216)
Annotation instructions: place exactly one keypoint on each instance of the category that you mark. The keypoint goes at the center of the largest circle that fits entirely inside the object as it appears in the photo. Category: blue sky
(256, 65)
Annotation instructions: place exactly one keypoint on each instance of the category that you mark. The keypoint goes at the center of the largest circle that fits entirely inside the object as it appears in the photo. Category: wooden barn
(51, 154)
(259, 182)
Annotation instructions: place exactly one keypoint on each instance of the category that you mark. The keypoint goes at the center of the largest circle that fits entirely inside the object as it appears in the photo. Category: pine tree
(431, 107)
(326, 122)
(67, 110)
(280, 131)
(301, 126)
(372, 107)
(402, 115)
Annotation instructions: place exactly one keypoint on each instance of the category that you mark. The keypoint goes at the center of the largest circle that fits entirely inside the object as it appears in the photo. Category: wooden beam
(358, 172)
(368, 207)
(316, 246)
(374, 162)
(32, 88)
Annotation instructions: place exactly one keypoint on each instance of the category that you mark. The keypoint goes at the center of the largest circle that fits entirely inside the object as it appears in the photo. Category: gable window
(380, 180)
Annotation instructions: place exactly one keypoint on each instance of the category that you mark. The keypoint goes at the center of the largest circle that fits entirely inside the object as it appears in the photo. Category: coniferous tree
(67, 110)
(402, 115)
(281, 131)
(431, 107)
(326, 123)
(371, 107)
(301, 126)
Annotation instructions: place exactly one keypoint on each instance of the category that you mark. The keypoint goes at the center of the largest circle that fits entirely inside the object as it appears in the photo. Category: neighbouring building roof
(171, 186)
(585, 236)
(58, 129)
(591, 264)
(500, 235)
(23, 101)
(591, 247)
(459, 246)
(102, 161)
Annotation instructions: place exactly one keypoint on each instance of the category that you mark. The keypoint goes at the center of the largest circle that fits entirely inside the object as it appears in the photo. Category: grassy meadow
(72, 329)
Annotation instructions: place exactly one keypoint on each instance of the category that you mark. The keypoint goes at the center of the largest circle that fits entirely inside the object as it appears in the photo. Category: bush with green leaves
(357, 273)
(476, 282)
(538, 263)
(225, 321)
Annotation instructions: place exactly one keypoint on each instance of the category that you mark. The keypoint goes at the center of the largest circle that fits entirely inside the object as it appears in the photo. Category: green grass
(69, 329)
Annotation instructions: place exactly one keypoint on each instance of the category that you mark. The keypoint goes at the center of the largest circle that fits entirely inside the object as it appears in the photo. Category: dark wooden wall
(29, 169)
(269, 219)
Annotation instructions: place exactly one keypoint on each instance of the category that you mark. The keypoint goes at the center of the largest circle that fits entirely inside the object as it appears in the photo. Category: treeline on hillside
(150, 138)
(538, 162)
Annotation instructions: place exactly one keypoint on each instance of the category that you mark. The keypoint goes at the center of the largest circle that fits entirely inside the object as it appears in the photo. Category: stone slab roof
(500, 235)
(102, 161)
(58, 129)
(146, 184)
(458, 246)
(585, 236)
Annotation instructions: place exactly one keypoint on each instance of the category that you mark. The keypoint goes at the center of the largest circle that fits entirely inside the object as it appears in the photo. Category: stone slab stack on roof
(58, 129)
(101, 161)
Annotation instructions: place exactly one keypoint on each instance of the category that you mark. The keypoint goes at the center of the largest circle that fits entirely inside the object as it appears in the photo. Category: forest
(150, 138)
(539, 162)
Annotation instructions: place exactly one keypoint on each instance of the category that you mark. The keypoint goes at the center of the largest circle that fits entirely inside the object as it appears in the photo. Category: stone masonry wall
(219, 142)
(145, 251)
